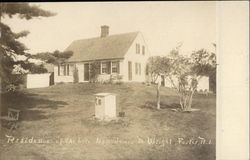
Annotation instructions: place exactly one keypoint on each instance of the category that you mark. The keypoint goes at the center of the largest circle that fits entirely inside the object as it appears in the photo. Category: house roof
(110, 47)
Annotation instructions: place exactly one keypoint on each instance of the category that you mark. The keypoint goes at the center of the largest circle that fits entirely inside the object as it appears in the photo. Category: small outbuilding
(105, 106)
(42, 79)
(38, 80)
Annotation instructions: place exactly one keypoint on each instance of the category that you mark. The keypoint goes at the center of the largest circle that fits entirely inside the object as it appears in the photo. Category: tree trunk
(0, 103)
(190, 101)
(158, 95)
(181, 103)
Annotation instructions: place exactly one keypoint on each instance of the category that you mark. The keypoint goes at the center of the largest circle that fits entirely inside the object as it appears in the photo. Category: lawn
(61, 117)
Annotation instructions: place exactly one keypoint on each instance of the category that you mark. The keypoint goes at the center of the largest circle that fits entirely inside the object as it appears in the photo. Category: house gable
(138, 60)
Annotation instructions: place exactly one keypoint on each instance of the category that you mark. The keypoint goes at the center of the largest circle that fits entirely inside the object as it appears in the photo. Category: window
(137, 49)
(65, 70)
(61, 70)
(143, 50)
(71, 69)
(115, 67)
(139, 68)
(136, 68)
(104, 67)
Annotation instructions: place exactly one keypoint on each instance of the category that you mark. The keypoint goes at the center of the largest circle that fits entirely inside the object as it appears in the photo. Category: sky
(162, 24)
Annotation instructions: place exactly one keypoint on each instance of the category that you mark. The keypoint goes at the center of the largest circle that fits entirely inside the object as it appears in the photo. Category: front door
(86, 72)
(129, 70)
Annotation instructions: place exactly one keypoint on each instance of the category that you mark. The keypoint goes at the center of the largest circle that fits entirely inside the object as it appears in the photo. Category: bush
(94, 71)
(11, 88)
(116, 79)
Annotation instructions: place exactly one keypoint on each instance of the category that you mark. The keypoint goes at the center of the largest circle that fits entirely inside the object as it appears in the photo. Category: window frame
(116, 66)
(71, 69)
(106, 67)
(64, 70)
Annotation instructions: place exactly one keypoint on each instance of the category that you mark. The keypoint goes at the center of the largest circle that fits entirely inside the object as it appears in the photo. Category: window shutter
(118, 67)
(108, 67)
(99, 68)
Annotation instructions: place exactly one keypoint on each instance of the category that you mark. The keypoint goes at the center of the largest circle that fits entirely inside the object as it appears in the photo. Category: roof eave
(95, 60)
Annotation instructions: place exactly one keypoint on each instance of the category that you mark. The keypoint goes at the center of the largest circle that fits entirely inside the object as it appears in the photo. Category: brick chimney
(104, 31)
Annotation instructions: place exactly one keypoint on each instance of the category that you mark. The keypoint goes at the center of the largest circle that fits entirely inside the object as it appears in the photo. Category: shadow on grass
(32, 106)
(92, 122)
(152, 105)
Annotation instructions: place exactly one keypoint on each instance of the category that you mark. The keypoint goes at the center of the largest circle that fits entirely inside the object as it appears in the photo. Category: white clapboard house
(121, 54)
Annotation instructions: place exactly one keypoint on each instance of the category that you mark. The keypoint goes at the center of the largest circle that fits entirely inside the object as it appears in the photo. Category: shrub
(94, 71)
(11, 88)
(116, 79)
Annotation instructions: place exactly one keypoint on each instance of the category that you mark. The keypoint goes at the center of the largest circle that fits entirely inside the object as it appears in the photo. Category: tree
(187, 70)
(156, 67)
(212, 76)
(10, 46)
(55, 57)
(94, 71)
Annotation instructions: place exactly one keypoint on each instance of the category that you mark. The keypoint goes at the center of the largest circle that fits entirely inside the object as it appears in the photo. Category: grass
(63, 115)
